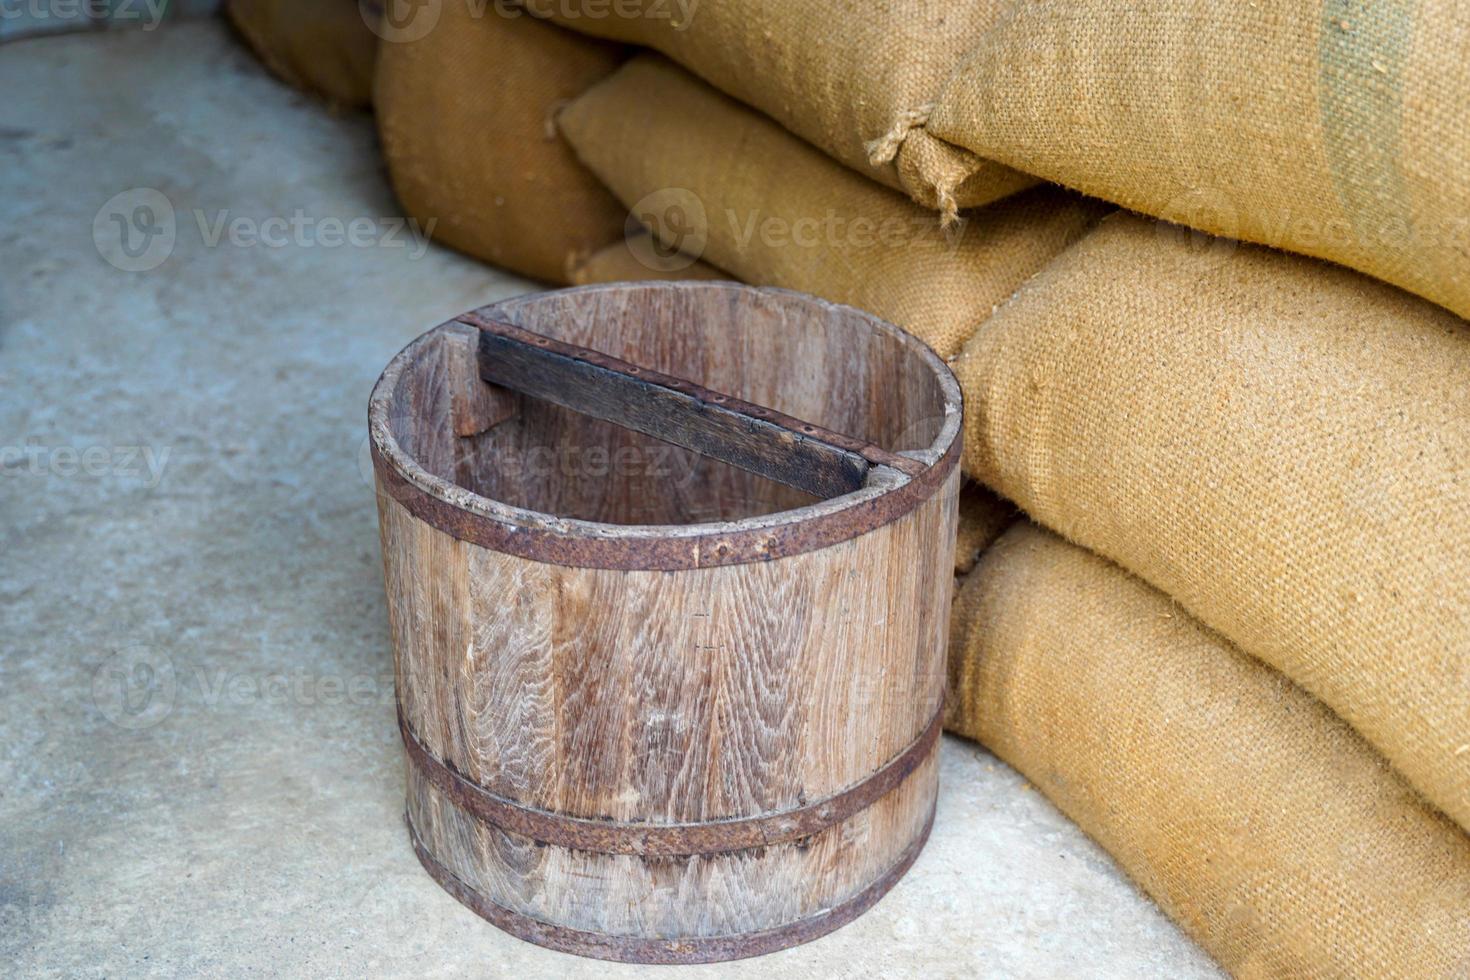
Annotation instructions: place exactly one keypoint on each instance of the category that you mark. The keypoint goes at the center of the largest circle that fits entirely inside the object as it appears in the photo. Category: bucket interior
(828, 365)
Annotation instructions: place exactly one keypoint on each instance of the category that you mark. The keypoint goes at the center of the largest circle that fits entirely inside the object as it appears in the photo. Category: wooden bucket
(662, 705)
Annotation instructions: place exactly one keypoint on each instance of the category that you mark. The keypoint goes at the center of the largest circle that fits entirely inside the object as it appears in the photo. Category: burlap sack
(856, 80)
(983, 516)
(1280, 444)
(466, 114)
(1338, 129)
(1259, 821)
(723, 182)
(320, 46)
(636, 259)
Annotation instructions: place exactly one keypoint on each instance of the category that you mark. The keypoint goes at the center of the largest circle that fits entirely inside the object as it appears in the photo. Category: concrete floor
(199, 771)
(34, 18)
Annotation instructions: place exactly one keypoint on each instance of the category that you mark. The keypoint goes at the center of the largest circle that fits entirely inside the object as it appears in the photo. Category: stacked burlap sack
(1282, 448)
(466, 94)
(1257, 819)
(712, 176)
(466, 114)
(325, 47)
(1281, 445)
(855, 81)
(1240, 657)
(1336, 129)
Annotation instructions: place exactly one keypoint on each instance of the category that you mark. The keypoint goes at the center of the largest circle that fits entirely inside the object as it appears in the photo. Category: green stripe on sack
(1361, 52)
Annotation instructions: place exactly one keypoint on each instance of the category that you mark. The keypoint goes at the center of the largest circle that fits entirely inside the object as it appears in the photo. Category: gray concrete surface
(199, 771)
(32, 18)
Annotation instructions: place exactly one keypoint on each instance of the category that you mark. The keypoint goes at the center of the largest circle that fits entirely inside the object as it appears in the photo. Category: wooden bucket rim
(538, 536)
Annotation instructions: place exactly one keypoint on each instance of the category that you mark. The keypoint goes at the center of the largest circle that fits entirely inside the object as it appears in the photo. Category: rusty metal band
(666, 840)
(670, 553)
(691, 949)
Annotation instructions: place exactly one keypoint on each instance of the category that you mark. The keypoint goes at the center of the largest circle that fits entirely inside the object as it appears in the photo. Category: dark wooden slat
(667, 413)
(765, 442)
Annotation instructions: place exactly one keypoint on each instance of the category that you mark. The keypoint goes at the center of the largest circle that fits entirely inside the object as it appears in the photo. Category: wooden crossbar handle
(711, 423)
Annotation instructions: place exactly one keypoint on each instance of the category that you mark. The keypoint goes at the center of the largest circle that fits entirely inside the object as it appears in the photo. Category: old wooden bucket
(660, 704)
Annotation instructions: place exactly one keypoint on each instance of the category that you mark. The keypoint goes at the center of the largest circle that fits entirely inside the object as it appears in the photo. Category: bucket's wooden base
(653, 907)
(632, 949)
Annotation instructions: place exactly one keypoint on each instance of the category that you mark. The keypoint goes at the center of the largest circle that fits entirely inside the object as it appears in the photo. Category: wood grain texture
(682, 949)
(669, 697)
(701, 896)
(654, 697)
